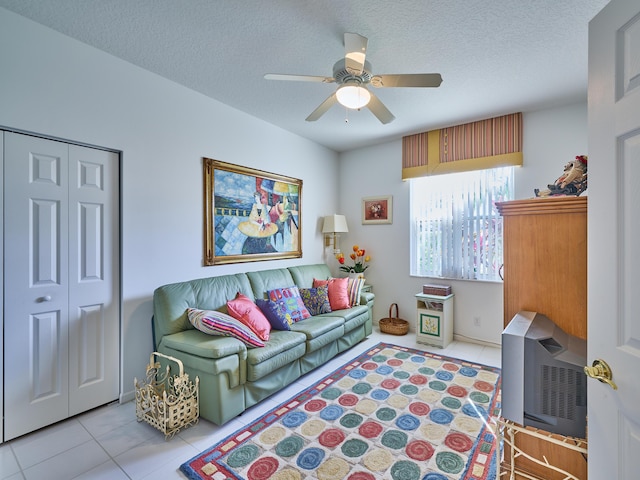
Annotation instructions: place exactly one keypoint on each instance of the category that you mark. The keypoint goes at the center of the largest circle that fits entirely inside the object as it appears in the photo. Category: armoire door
(61, 269)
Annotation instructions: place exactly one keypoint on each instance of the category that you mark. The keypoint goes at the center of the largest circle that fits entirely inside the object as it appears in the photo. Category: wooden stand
(434, 319)
(545, 271)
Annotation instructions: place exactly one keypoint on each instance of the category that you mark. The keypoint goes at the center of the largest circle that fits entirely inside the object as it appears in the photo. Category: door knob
(600, 370)
(46, 298)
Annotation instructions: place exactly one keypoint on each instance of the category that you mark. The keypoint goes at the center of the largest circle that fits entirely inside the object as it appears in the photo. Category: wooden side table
(434, 317)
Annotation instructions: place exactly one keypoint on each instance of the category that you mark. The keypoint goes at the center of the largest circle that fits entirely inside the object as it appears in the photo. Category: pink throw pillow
(247, 312)
(338, 293)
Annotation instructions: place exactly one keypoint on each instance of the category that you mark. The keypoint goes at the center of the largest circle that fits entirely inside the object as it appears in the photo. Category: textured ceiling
(495, 57)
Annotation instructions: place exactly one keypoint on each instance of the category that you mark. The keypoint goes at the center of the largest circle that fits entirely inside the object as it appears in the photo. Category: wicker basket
(394, 325)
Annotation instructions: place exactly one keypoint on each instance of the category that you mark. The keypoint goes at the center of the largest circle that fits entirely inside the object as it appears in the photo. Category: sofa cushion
(316, 299)
(317, 326)
(242, 308)
(303, 275)
(213, 322)
(282, 349)
(265, 280)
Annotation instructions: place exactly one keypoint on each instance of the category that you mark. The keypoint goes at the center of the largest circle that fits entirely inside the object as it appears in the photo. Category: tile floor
(108, 442)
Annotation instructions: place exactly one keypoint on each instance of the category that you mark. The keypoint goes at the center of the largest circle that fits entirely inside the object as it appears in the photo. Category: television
(543, 380)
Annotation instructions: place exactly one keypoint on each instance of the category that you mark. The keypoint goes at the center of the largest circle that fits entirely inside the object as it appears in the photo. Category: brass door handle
(600, 370)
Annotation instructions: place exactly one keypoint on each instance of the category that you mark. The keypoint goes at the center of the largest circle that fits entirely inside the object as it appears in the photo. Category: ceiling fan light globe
(353, 96)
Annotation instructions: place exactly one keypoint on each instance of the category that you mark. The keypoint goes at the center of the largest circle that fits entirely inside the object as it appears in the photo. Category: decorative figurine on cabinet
(573, 181)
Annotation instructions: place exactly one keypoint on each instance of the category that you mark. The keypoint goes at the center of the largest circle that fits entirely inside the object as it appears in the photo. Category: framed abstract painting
(249, 215)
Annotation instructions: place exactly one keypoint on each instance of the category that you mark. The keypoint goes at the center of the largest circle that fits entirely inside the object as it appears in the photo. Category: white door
(613, 239)
(61, 308)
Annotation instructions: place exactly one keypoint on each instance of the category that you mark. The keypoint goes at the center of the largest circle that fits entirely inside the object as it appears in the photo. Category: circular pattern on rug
(466, 382)
(426, 371)
(402, 355)
(441, 416)
(361, 476)
(243, 456)
(452, 403)
(308, 459)
(409, 389)
(315, 405)
(407, 422)
(379, 358)
(264, 467)
(351, 420)
(449, 462)
(417, 359)
(468, 425)
(468, 371)
(437, 385)
(332, 412)
(357, 374)
(374, 378)
(286, 474)
(394, 362)
(272, 435)
(386, 414)
(390, 384)
(434, 476)
(394, 439)
(419, 408)
(379, 394)
(366, 406)
(289, 446)
(398, 401)
(370, 429)
(369, 366)
(433, 432)
(402, 375)
(490, 377)
(473, 410)
(418, 379)
(378, 460)
(331, 393)
(348, 400)
(294, 419)
(419, 450)
(333, 469)
(346, 383)
(354, 447)
(405, 470)
(479, 397)
(312, 428)
(483, 386)
(429, 396)
(458, 441)
(452, 367)
(457, 391)
(331, 438)
(444, 375)
(361, 388)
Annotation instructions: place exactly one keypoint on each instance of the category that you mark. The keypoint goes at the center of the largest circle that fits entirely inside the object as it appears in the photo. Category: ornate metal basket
(168, 403)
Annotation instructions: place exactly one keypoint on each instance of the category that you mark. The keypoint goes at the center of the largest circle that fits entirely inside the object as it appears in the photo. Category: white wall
(56, 86)
(552, 137)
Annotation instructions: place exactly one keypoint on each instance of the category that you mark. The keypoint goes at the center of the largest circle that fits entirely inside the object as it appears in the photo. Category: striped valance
(488, 143)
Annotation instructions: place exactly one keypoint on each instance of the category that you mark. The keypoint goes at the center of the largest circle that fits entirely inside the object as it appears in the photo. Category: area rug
(391, 413)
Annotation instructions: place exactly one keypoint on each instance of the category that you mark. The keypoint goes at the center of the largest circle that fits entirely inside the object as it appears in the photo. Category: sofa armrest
(367, 298)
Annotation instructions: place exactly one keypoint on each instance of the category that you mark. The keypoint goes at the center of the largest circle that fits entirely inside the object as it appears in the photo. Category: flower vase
(355, 275)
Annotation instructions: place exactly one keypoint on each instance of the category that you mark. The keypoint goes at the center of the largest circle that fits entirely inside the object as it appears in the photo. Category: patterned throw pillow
(338, 295)
(290, 302)
(213, 322)
(276, 313)
(354, 288)
(316, 299)
(242, 308)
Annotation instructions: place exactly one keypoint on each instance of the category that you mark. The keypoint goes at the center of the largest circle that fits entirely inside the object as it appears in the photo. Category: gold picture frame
(377, 210)
(249, 215)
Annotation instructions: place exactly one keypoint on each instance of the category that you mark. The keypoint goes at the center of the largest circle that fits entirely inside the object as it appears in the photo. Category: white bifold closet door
(61, 281)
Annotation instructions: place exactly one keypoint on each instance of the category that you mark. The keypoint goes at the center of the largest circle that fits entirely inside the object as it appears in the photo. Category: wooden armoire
(545, 271)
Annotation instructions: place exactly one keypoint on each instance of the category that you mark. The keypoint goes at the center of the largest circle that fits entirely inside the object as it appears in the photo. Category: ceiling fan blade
(298, 78)
(355, 48)
(407, 80)
(379, 110)
(322, 108)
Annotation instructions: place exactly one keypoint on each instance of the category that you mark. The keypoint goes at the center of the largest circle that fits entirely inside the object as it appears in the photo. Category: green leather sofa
(232, 376)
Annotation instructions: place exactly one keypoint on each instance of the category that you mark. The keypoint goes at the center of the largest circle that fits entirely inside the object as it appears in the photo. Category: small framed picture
(377, 210)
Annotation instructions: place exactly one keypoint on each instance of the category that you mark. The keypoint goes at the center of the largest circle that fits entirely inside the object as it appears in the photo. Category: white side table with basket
(434, 317)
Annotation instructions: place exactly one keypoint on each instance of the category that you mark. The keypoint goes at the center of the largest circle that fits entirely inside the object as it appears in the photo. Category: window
(456, 230)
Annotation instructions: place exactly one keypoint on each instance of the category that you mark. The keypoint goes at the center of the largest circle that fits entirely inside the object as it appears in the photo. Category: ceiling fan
(353, 74)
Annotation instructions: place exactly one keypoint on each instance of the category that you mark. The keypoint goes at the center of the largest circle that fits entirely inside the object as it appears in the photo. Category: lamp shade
(352, 95)
(335, 224)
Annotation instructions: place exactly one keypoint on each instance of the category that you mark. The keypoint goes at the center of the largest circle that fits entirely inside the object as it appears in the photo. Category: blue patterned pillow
(276, 313)
(213, 322)
(289, 302)
(316, 299)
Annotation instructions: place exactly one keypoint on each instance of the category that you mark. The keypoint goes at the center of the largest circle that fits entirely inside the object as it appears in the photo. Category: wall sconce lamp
(334, 224)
